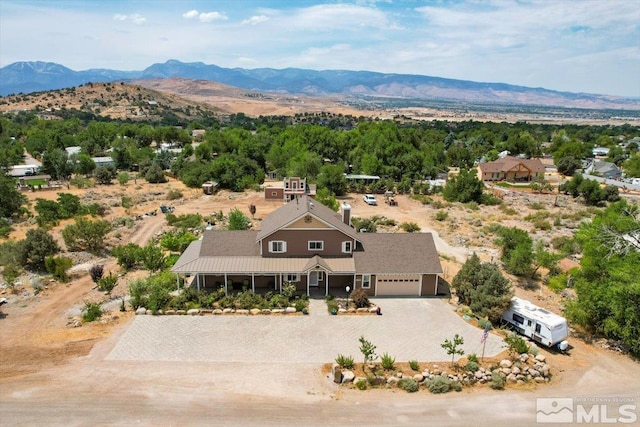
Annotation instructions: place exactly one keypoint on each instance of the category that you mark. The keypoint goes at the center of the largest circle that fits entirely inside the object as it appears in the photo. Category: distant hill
(29, 77)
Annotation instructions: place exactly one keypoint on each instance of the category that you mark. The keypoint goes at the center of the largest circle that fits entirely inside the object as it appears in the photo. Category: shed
(209, 187)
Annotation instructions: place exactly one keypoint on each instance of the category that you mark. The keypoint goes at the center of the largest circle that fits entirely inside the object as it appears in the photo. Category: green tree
(128, 256)
(152, 258)
(58, 267)
(85, 235)
(324, 197)
(607, 286)
(11, 200)
(567, 165)
(453, 347)
(333, 179)
(517, 250)
(632, 166)
(85, 165)
(69, 205)
(105, 174)
(36, 247)
(238, 220)
(464, 187)
(123, 178)
(540, 184)
(155, 174)
(368, 351)
(108, 283)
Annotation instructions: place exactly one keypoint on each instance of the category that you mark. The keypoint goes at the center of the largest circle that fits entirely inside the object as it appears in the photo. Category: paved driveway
(408, 329)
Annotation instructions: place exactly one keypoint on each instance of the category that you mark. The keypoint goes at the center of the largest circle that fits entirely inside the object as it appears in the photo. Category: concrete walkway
(409, 328)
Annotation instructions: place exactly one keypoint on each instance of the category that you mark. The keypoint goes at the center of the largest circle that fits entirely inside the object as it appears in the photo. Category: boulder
(277, 311)
(217, 311)
(479, 375)
(437, 371)
(265, 311)
(534, 373)
(373, 309)
(399, 374)
(348, 376)
(351, 310)
(506, 363)
(520, 382)
(227, 311)
(393, 380)
(546, 369)
(170, 312)
(516, 370)
(160, 312)
(362, 310)
(243, 312)
(337, 376)
(418, 377)
(342, 310)
(141, 310)
(290, 310)
(149, 311)
(254, 311)
(524, 357)
(539, 379)
(193, 311)
(205, 311)
(506, 371)
(511, 378)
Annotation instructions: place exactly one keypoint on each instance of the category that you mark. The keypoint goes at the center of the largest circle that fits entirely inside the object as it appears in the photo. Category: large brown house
(510, 169)
(308, 244)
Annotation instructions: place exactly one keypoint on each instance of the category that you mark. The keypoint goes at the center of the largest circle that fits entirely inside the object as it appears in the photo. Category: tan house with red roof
(510, 169)
(317, 249)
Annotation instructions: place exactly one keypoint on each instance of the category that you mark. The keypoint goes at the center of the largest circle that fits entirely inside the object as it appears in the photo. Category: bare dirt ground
(52, 373)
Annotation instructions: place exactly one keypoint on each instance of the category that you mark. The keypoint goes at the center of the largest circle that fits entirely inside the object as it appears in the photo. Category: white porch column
(326, 281)
(308, 279)
(178, 281)
(226, 288)
(253, 283)
(437, 280)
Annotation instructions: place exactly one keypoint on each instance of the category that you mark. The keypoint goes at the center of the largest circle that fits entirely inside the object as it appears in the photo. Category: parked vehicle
(370, 199)
(390, 199)
(541, 325)
(166, 209)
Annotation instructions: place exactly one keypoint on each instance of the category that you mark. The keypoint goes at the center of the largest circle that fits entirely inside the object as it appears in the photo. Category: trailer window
(528, 322)
(538, 328)
(517, 318)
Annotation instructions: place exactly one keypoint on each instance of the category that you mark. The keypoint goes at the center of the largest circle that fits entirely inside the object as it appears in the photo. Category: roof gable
(297, 210)
(510, 163)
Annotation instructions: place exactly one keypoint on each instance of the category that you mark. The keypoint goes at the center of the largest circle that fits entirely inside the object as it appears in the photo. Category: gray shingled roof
(397, 253)
(508, 163)
(229, 243)
(298, 208)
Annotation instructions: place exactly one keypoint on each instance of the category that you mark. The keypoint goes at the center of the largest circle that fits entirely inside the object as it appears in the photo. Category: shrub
(497, 382)
(300, 305)
(360, 298)
(472, 357)
(413, 364)
(58, 267)
(96, 272)
(388, 362)
(362, 384)
(472, 366)
(456, 386)
(439, 384)
(516, 344)
(86, 235)
(345, 362)
(408, 384)
(174, 194)
(441, 215)
(484, 324)
(410, 227)
(106, 284)
(184, 221)
(128, 256)
(11, 273)
(332, 306)
(91, 311)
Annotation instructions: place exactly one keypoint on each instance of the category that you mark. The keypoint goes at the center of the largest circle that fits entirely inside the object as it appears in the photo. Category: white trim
(363, 286)
(296, 277)
(272, 244)
(344, 247)
(309, 242)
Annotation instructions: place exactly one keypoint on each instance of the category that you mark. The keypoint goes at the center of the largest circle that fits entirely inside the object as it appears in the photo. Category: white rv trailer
(539, 324)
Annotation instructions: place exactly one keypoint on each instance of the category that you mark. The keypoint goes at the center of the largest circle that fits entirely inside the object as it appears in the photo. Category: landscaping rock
(524, 357)
(217, 311)
(170, 312)
(516, 370)
(506, 371)
(399, 374)
(541, 358)
(160, 312)
(506, 363)
(348, 377)
(520, 382)
(351, 310)
(277, 311)
(362, 310)
(227, 311)
(205, 311)
(511, 378)
(265, 311)
(254, 311)
(437, 372)
(193, 311)
(393, 380)
(342, 310)
(539, 379)
(141, 310)
(337, 376)
(479, 375)
(243, 312)
(149, 311)
(418, 377)
(290, 310)
(373, 309)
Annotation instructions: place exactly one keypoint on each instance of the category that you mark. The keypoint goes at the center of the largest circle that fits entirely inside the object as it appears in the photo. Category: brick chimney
(346, 213)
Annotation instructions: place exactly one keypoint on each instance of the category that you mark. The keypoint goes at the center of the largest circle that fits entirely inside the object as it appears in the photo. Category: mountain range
(27, 77)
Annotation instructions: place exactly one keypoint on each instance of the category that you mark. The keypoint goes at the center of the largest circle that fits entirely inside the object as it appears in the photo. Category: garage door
(397, 285)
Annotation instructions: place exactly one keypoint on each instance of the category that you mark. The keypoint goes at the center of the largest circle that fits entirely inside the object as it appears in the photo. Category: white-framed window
(347, 247)
(277, 246)
(292, 277)
(274, 193)
(366, 281)
(316, 245)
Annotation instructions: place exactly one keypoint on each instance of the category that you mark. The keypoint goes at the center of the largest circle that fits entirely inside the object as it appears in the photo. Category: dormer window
(347, 247)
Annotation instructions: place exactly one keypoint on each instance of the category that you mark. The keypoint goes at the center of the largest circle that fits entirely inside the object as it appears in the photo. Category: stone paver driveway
(408, 329)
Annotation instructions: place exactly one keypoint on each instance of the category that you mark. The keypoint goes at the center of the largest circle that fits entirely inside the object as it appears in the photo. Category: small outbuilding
(209, 187)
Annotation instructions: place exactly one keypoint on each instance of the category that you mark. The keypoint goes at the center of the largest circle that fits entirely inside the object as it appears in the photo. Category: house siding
(297, 243)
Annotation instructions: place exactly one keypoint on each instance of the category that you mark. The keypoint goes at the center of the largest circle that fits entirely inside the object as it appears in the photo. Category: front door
(313, 278)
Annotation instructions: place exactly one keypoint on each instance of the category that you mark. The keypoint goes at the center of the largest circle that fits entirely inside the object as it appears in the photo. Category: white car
(370, 199)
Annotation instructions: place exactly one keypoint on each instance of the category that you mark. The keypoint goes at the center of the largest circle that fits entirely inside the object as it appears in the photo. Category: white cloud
(254, 20)
(190, 14)
(212, 16)
(136, 18)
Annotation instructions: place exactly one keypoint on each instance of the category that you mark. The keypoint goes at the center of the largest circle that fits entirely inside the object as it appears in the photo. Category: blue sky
(578, 46)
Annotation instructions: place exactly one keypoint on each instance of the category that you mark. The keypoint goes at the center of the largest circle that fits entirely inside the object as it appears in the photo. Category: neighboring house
(103, 161)
(17, 171)
(600, 152)
(362, 179)
(603, 169)
(291, 189)
(310, 245)
(73, 150)
(510, 169)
